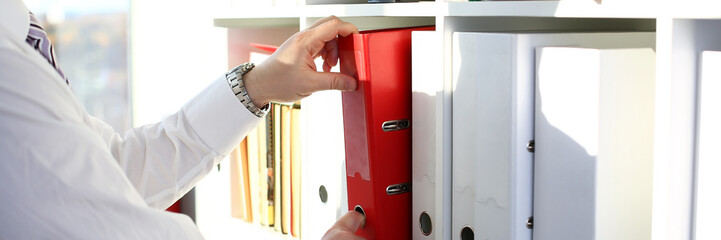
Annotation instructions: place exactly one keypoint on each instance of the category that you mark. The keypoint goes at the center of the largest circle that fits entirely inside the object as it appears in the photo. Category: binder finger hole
(359, 209)
(467, 233)
(323, 194)
(425, 224)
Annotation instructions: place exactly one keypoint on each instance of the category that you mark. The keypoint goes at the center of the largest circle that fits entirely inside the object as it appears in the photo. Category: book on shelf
(277, 165)
(285, 169)
(265, 162)
(239, 186)
(270, 165)
(245, 180)
(273, 160)
(263, 172)
(253, 174)
(281, 203)
(295, 169)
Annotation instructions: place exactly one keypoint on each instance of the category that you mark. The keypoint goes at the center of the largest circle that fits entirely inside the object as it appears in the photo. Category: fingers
(318, 81)
(327, 66)
(351, 221)
(323, 39)
(293, 64)
(330, 55)
(316, 38)
(333, 27)
(346, 227)
(321, 21)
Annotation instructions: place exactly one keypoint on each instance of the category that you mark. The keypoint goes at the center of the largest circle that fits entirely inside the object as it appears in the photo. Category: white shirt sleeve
(166, 159)
(67, 175)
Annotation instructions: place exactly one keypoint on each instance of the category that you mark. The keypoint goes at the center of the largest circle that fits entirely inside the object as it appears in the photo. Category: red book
(376, 120)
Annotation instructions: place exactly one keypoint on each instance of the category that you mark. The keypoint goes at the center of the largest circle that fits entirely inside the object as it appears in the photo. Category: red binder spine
(355, 105)
(376, 121)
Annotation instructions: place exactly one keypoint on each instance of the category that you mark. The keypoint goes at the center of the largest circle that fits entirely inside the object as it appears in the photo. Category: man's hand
(290, 73)
(345, 227)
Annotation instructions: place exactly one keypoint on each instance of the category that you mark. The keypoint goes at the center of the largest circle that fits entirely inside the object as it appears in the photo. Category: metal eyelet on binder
(425, 224)
(467, 233)
(531, 146)
(398, 188)
(529, 222)
(395, 125)
(323, 194)
(359, 209)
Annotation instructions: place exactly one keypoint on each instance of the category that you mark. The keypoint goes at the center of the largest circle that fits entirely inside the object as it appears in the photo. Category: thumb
(346, 227)
(351, 221)
(330, 80)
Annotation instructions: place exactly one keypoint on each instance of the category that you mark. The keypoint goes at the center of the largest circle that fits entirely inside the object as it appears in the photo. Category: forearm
(166, 159)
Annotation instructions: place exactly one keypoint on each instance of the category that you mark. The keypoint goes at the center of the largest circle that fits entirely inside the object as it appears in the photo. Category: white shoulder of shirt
(14, 19)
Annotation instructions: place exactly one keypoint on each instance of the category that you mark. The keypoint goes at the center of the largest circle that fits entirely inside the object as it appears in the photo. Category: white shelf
(254, 231)
(697, 9)
(291, 15)
(576, 9)
(694, 9)
(474, 9)
(365, 16)
(259, 17)
(417, 9)
(370, 16)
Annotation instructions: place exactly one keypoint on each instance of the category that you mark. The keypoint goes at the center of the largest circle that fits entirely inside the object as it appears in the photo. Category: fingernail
(359, 209)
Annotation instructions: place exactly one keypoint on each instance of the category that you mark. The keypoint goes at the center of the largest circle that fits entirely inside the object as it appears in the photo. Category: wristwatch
(235, 80)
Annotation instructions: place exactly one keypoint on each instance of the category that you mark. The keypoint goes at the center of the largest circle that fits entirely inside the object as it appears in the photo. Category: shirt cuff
(218, 118)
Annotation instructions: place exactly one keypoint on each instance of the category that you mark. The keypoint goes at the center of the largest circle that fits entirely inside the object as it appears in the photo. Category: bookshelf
(684, 29)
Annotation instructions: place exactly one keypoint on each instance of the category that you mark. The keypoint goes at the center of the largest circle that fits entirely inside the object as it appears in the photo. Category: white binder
(594, 131)
(493, 107)
(323, 182)
(431, 207)
(707, 160)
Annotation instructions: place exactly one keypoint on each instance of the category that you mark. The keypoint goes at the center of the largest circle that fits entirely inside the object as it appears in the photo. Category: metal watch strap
(235, 80)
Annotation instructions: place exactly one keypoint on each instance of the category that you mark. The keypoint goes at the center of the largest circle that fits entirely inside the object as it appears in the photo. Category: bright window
(91, 45)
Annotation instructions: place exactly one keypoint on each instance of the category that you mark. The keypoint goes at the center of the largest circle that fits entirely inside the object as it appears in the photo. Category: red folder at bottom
(376, 120)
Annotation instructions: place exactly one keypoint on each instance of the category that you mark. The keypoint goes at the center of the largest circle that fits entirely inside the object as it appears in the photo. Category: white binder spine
(322, 163)
(493, 123)
(594, 143)
(708, 166)
(430, 184)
